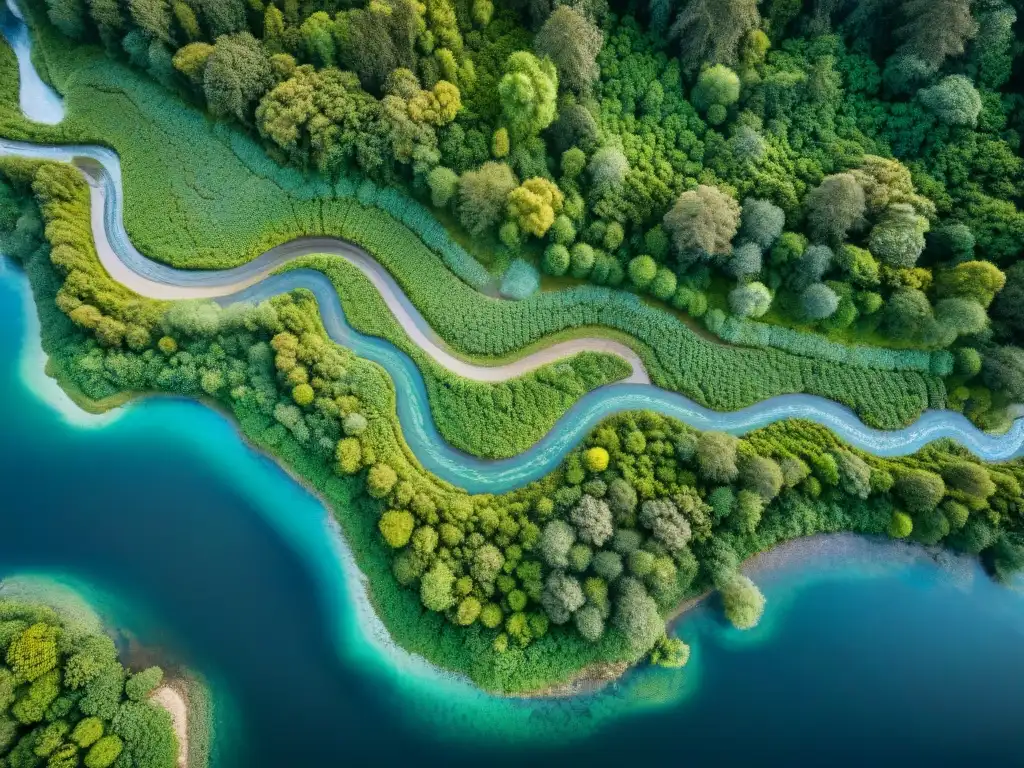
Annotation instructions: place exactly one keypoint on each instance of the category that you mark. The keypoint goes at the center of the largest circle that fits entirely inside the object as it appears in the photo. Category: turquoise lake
(198, 546)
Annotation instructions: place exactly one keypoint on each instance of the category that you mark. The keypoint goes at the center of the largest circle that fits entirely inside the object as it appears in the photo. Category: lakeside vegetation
(829, 188)
(66, 700)
(523, 589)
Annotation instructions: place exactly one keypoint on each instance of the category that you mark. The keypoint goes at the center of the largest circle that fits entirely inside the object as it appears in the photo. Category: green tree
(223, 17)
(533, 205)
(377, 39)
(104, 752)
(589, 623)
(642, 270)
(87, 732)
(191, 60)
(236, 76)
(68, 16)
(436, 587)
(711, 30)
(908, 315)
(1003, 371)
(702, 223)
(608, 169)
(380, 480)
(978, 280)
(528, 91)
(936, 29)
(716, 455)
(396, 527)
(900, 525)
(898, 239)
(953, 100)
(743, 601)
(818, 302)
(716, 85)
(750, 300)
(153, 17)
(572, 42)
(745, 261)
(556, 260)
(761, 222)
(665, 521)
(562, 597)
(325, 119)
(556, 540)
(920, 490)
(762, 475)
(483, 196)
(835, 207)
(443, 183)
(636, 616)
(140, 685)
(317, 36)
(33, 653)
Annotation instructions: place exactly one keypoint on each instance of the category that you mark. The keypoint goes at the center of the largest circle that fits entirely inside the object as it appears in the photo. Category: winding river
(255, 281)
(869, 653)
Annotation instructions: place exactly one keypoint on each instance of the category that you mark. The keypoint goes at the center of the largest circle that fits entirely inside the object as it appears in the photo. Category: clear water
(211, 552)
(158, 513)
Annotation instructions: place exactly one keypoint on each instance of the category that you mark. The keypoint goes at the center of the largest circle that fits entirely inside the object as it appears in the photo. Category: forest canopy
(846, 169)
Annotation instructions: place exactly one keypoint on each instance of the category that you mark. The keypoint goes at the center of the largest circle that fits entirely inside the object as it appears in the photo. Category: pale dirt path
(416, 328)
(171, 699)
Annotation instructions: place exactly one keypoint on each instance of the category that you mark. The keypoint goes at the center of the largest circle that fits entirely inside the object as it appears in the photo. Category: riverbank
(589, 680)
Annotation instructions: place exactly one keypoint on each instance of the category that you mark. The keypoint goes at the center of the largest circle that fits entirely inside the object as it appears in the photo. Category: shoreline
(172, 696)
(839, 547)
(589, 680)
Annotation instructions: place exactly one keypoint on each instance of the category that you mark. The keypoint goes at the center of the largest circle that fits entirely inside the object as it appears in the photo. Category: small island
(66, 700)
(565, 311)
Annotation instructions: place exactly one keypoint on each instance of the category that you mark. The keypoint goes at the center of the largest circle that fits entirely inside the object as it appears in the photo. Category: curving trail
(254, 282)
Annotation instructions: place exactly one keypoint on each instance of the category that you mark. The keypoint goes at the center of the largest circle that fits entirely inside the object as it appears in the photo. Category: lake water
(199, 546)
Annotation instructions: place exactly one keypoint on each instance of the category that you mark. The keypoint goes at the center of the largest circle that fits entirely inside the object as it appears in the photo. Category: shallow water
(199, 546)
(212, 553)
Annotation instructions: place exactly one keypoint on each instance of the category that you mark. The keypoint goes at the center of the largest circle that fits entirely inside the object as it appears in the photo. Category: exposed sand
(172, 699)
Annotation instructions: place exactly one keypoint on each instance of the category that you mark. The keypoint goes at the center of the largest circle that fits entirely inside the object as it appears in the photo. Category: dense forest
(529, 586)
(66, 700)
(844, 168)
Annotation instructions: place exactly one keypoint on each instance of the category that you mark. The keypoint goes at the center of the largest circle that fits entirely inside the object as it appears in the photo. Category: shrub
(642, 270)
(743, 601)
(556, 260)
(596, 459)
(520, 281)
(750, 300)
(380, 480)
(396, 526)
(900, 525)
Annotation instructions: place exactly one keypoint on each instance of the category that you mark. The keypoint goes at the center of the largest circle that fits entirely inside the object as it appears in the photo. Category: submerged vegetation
(528, 587)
